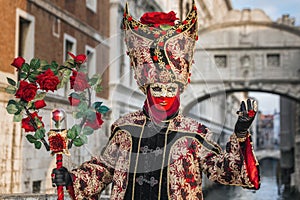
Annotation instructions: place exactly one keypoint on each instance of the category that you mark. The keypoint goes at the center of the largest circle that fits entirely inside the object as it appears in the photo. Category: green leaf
(25, 67)
(40, 96)
(97, 104)
(31, 138)
(53, 68)
(18, 118)
(82, 106)
(64, 77)
(78, 115)
(38, 122)
(72, 133)
(98, 88)
(96, 79)
(83, 138)
(46, 66)
(40, 133)
(35, 63)
(23, 103)
(91, 115)
(54, 64)
(44, 63)
(103, 109)
(75, 95)
(10, 89)
(32, 78)
(12, 108)
(11, 101)
(87, 130)
(37, 144)
(78, 128)
(77, 142)
(11, 81)
(23, 75)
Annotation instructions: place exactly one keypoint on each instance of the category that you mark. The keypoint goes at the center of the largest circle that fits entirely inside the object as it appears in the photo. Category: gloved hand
(245, 119)
(61, 177)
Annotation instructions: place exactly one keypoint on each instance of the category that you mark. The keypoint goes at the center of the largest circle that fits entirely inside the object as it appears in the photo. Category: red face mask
(163, 103)
(163, 95)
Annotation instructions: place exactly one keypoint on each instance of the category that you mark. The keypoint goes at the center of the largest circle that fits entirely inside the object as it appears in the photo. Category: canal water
(269, 189)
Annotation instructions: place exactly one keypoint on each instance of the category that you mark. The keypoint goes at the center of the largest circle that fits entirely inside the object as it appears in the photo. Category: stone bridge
(245, 54)
(267, 153)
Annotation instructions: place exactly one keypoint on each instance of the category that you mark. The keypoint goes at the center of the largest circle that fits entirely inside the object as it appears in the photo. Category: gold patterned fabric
(159, 54)
(145, 161)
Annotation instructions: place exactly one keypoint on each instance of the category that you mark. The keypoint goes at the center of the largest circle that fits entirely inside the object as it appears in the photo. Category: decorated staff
(35, 79)
(58, 141)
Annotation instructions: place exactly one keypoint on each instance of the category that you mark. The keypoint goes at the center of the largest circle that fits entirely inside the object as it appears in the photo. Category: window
(273, 60)
(56, 27)
(92, 5)
(69, 46)
(36, 186)
(221, 61)
(24, 35)
(91, 60)
(245, 61)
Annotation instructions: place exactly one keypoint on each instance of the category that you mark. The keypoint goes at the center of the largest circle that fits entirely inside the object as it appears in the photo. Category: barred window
(221, 61)
(273, 60)
(36, 186)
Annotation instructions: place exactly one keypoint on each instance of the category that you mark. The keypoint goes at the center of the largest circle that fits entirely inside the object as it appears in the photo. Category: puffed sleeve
(236, 165)
(91, 178)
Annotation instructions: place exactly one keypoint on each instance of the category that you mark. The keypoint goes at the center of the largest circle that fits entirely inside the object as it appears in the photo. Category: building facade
(265, 138)
(47, 30)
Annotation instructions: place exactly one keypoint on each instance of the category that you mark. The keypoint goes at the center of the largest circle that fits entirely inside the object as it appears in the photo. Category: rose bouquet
(36, 79)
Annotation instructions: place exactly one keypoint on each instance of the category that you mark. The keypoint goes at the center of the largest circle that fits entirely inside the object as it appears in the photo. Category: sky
(267, 103)
(273, 8)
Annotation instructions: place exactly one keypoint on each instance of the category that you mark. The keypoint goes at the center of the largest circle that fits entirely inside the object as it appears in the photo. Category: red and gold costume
(153, 155)
(146, 161)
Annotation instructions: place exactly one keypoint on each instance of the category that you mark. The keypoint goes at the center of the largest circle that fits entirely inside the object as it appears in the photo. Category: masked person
(157, 153)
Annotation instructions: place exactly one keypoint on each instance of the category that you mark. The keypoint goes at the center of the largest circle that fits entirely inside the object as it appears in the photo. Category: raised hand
(246, 116)
(61, 177)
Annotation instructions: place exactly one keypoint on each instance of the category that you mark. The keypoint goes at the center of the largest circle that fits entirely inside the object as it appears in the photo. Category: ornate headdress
(161, 52)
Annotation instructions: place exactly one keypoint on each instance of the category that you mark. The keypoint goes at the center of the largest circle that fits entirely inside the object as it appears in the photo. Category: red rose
(81, 58)
(79, 81)
(18, 62)
(26, 91)
(39, 104)
(159, 18)
(57, 143)
(74, 101)
(57, 115)
(96, 124)
(47, 80)
(27, 122)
